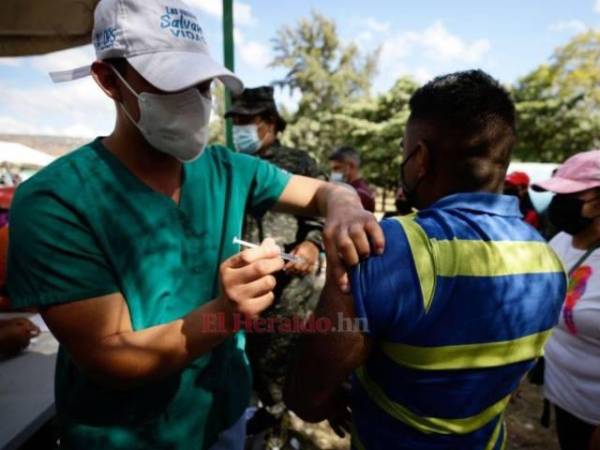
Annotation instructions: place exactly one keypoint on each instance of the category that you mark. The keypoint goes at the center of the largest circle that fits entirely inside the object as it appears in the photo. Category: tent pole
(228, 49)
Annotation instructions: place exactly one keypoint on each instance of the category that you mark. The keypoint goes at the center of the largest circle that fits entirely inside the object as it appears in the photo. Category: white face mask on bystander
(175, 124)
(245, 138)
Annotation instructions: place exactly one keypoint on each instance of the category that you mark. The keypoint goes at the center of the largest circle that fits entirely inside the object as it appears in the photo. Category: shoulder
(221, 155)
(364, 189)
(221, 164)
(385, 287)
(296, 153)
(561, 243)
(397, 232)
(61, 179)
(218, 153)
(402, 238)
(361, 183)
(293, 159)
(394, 228)
(63, 166)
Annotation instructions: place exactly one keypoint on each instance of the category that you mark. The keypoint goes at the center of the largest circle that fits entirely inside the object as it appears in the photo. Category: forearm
(99, 335)
(311, 388)
(325, 359)
(131, 358)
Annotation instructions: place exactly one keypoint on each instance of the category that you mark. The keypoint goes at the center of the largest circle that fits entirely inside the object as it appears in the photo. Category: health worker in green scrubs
(125, 245)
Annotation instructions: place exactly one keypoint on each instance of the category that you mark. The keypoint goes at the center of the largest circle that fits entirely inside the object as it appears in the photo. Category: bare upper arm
(299, 196)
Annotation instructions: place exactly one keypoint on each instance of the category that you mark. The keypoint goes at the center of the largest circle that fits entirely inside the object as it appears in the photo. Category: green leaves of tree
(558, 103)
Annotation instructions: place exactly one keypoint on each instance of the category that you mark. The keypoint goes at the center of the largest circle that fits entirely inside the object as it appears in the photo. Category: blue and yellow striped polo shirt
(459, 307)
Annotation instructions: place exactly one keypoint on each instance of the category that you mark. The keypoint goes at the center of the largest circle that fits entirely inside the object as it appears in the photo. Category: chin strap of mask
(583, 258)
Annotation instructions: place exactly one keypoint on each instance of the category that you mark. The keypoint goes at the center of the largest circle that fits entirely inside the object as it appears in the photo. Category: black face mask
(565, 214)
(409, 193)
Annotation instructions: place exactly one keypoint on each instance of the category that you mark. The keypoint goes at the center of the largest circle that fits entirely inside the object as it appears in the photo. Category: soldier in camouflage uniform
(257, 125)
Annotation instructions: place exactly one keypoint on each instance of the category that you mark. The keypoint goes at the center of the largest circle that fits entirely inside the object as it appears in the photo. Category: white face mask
(336, 177)
(245, 138)
(175, 124)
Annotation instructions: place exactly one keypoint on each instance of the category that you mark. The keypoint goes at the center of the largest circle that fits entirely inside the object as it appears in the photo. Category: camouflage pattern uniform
(270, 354)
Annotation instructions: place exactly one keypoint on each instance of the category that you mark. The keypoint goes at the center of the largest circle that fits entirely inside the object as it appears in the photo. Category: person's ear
(105, 77)
(265, 128)
(591, 209)
(352, 166)
(270, 127)
(591, 205)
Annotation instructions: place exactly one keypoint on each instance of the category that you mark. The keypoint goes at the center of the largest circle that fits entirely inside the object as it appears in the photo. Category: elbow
(113, 376)
(117, 371)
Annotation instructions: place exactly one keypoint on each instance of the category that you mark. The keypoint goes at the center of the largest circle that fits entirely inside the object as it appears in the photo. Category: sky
(423, 39)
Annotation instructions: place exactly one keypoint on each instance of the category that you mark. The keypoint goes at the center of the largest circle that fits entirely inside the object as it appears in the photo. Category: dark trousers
(573, 433)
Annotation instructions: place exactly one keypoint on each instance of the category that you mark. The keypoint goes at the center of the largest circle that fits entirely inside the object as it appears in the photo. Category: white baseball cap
(161, 39)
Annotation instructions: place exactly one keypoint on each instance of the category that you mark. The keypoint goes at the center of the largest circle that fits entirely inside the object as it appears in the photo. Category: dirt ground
(523, 421)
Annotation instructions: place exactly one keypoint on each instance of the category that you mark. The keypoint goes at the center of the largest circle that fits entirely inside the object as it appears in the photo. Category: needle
(284, 256)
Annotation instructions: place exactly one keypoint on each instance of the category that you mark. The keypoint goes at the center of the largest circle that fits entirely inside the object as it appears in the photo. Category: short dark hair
(345, 153)
(119, 63)
(274, 118)
(473, 118)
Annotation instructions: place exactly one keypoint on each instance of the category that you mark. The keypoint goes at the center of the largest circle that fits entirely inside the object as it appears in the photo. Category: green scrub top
(85, 227)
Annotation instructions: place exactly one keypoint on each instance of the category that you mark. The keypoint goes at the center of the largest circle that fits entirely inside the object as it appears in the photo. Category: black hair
(345, 153)
(472, 118)
(120, 64)
(274, 118)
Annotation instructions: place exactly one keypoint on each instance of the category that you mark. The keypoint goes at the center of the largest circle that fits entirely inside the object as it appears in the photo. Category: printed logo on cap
(106, 38)
(182, 24)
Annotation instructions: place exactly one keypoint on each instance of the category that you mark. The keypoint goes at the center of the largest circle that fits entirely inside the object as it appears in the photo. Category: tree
(328, 74)
(559, 103)
(217, 123)
(376, 126)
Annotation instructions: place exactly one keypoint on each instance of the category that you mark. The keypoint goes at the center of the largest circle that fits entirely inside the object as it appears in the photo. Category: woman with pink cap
(572, 373)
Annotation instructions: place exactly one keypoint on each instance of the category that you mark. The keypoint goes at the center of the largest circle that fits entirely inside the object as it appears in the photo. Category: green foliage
(336, 107)
(217, 123)
(376, 127)
(329, 74)
(559, 103)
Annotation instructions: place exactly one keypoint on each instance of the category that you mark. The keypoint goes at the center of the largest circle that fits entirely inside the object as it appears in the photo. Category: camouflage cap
(256, 101)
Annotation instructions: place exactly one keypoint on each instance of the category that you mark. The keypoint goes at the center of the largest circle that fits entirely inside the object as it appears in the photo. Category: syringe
(284, 256)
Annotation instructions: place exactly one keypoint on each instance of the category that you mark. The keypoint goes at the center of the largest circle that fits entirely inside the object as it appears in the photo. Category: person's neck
(352, 177)
(267, 144)
(161, 172)
(588, 237)
(432, 194)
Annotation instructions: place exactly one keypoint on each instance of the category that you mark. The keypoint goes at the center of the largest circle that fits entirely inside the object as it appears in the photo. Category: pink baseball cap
(578, 173)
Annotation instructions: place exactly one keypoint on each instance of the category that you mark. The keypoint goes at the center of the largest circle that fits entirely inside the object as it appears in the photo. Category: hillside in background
(53, 145)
